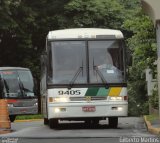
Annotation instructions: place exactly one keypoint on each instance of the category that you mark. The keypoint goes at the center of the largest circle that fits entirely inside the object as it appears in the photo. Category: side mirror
(44, 57)
(45, 64)
(129, 60)
(35, 86)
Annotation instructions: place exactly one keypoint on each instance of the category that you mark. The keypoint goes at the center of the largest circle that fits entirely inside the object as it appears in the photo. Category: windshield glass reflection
(85, 62)
(106, 56)
(17, 84)
(67, 58)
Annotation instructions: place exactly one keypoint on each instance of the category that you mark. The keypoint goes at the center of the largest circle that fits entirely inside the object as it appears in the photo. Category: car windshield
(17, 84)
(85, 62)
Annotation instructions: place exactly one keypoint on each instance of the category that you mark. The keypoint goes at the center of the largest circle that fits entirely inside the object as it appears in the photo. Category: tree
(143, 47)
(91, 13)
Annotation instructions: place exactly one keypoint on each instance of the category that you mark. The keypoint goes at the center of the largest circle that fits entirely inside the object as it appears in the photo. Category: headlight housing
(10, 105)
(59, 99)
(116, 98)
(36, 104)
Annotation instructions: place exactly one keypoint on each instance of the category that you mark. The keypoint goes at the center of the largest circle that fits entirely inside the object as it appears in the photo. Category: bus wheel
(53, 123)
(113, 122)
(12, 117)
(46, 121)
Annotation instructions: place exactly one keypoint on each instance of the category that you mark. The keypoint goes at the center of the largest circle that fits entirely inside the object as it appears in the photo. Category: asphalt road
(79, 140)
(130, 129)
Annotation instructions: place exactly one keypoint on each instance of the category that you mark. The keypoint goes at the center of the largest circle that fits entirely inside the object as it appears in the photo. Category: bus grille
(25, 104)
(92, 98)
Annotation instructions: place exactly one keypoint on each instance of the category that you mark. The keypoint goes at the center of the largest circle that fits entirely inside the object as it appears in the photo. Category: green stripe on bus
(92, 92)
(103, 92)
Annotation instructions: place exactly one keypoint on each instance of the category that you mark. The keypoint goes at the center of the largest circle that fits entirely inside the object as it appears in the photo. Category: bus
(83, 76)
(17, 87)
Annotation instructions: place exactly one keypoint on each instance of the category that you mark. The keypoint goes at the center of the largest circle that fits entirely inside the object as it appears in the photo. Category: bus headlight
(10, 105)
(56, 110)
(36, 104)
(117, 108)
(58, 99)
(120, 109)
(61, 99)
(119, 98)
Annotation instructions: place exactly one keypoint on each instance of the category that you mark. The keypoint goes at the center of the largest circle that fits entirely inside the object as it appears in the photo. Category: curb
(28, 120)
(150, 128)
(5, 131)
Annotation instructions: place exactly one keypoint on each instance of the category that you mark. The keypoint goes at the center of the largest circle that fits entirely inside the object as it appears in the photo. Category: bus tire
(113, 122)
(46, 121)
(53, 123)
(12, 117)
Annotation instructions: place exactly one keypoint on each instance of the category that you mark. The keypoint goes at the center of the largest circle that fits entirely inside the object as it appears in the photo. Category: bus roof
(13, 68)
(85, 33)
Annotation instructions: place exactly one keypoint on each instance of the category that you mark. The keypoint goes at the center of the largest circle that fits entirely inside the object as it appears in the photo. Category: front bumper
(74, 110)
(23, 110)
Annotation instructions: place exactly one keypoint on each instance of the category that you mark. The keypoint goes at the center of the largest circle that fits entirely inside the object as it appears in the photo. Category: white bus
(84, 76)
(17, 87)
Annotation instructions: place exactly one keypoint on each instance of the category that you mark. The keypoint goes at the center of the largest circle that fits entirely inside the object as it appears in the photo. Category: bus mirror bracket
(129, 58)
(44, 57)
(1, 88)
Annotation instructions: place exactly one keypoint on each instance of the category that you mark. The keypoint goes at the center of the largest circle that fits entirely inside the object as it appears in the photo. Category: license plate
(89, 108)
(23, 110)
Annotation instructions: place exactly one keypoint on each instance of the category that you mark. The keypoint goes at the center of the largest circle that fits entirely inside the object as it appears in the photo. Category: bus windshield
(17, 84)
(68, 57)
(86, 62)
(105, 62)
(26, 80)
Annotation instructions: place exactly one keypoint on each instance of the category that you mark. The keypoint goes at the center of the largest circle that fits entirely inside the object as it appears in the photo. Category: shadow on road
(77, 126)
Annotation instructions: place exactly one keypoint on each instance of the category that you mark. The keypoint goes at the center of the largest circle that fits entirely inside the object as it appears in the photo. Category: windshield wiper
(6, 85)
(75, 76)
(80, 69)
(95, 68)
(21, 85)
(23, 89)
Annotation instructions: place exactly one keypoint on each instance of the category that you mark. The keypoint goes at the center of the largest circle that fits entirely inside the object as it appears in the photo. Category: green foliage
(154, 99)
(142, 44)
(93, 13)
(29, 117)
(138, 100)
(152, 117)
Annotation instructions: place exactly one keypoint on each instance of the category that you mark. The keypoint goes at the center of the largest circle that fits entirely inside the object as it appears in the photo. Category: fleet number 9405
(69, 92)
